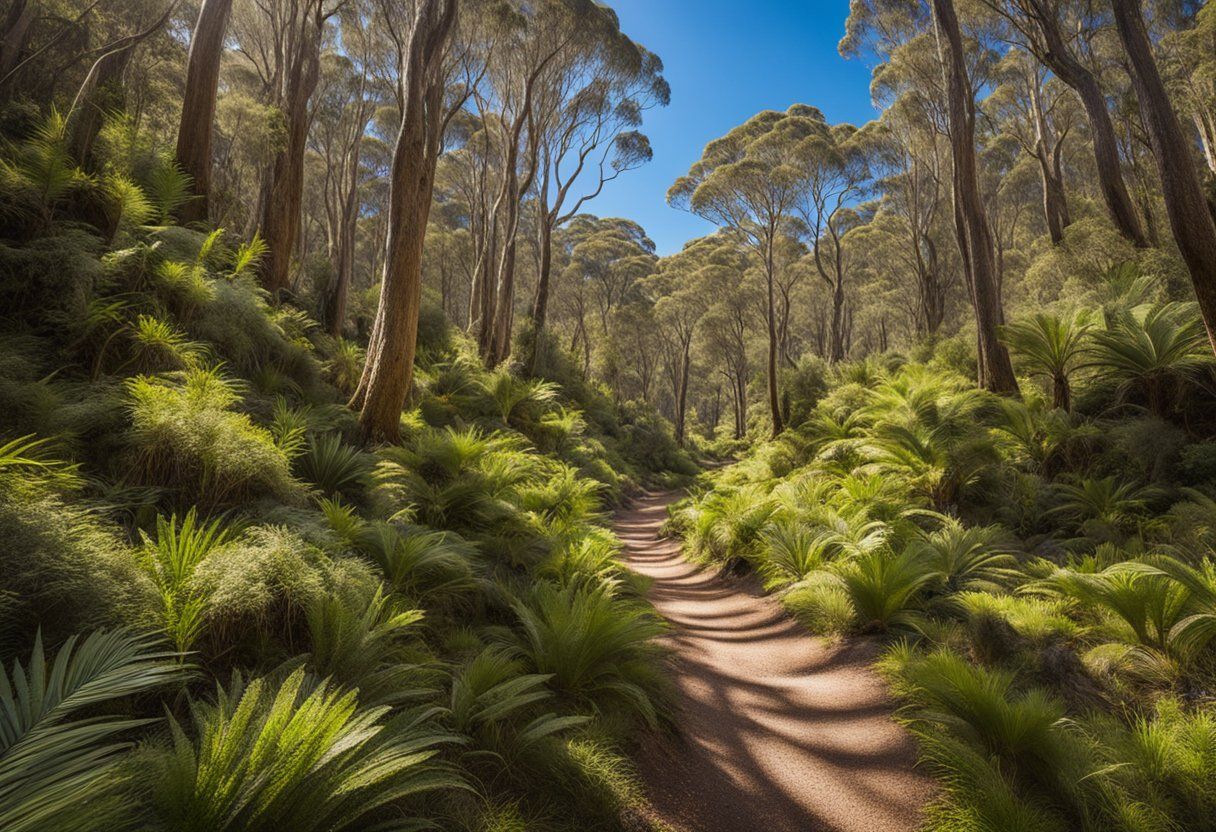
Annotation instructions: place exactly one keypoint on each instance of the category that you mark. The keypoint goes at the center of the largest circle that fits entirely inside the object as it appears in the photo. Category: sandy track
(778, 731)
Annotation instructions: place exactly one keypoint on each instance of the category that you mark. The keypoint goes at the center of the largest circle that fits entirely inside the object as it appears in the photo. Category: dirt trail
(778, 731)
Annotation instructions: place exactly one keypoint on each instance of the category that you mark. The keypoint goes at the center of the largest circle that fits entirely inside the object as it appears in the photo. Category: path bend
(778, 731)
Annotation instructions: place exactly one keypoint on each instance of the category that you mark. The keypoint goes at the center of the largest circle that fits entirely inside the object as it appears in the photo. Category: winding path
(777, 731)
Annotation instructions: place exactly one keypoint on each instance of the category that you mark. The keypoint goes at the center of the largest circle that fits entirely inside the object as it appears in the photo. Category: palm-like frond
(593, 645)
(1152, 350)
(298, 757)
(1051, 346)
(61, 773)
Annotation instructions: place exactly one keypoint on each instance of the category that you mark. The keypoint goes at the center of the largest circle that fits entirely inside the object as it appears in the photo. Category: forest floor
(776, 730)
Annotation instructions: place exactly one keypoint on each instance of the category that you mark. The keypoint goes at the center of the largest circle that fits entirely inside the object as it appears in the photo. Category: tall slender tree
(974, 233)
(1188, 210)
(197, 124)
(388, 373)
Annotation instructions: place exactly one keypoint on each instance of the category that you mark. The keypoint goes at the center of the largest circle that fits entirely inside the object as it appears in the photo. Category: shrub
(598, 649)
(61, 567)
(185, 437)
(61, 768)
(296, 756)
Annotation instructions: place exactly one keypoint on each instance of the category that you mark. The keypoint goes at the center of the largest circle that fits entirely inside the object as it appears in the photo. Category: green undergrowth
(340, 636)
(1043, 577)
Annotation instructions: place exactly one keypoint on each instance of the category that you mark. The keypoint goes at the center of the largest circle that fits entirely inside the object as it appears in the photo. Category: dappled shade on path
(777, 730)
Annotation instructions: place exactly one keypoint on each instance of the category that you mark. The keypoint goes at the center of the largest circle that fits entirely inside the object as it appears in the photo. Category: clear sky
(726, 60)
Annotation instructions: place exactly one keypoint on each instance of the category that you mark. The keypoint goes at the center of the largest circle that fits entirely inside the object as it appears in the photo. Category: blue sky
(726, 60)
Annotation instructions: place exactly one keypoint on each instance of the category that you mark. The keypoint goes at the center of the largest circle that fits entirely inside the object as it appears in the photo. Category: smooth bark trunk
(975, 235)
(1185, 203)
(388, 373)
(197, 124)
(280, 217)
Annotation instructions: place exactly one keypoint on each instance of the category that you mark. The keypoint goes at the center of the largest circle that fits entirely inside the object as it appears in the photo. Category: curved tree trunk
(1186, 205)
(975, 236)
(388, 373)
(1059, 59)
(198, 105)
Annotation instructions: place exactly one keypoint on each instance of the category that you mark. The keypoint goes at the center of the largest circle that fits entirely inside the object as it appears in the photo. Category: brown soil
(778, 731)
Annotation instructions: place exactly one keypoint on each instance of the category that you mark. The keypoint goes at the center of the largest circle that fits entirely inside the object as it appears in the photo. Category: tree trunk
(1060, 60)
(540, 304)
(198, 105)
(388, 373)
(774, 398)
(975, 236)
(15, 35)
(280, 218)
(344, 260)
(1190, 219)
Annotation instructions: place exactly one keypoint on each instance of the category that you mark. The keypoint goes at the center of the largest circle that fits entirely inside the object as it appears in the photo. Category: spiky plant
(331, 465)
(345, 365)
(38, 174)
(1024, 732)
(156, 344)
(1150, 602)
(1153, 351)
(301, 756)
(367, 643)
(517, 401)
(417, 561)
(1053, 347)
(1105, 500)
(501, 707)
(59, 767)
(884, 588)
(966, 558)
(171, 560)
(598, 649)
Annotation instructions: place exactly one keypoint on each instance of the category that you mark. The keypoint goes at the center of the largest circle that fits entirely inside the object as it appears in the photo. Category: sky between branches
(726, 60)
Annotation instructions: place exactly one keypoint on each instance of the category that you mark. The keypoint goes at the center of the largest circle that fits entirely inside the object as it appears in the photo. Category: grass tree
(1051, 346)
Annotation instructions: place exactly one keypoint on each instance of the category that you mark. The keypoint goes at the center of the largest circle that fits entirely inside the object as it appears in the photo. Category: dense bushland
(338, 635)
(1041, 575)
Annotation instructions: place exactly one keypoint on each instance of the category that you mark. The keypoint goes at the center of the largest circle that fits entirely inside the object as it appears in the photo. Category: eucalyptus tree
(606, 258)
(590, 104)
(278, 42)
(536, 38)
(1060, 34)
(197, 124)
(1191, 217)
(748, 182)
(725, 340)
(345, 101)
(681, 289)
(422, 29)
(973, 230)
(1029, 106)
(837, 173)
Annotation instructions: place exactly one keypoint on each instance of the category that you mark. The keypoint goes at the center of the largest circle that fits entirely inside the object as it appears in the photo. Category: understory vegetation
(221, 610)
(1042, 578)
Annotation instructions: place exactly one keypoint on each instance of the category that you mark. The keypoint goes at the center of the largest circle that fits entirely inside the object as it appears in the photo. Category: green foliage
(171, 560)
(1153, 353)
(299, 756)
(330, 465)
(596, 647)
(186, 437)
(61, 768)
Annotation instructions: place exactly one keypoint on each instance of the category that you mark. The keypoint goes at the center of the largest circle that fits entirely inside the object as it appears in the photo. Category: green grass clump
(187, 438)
